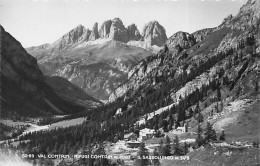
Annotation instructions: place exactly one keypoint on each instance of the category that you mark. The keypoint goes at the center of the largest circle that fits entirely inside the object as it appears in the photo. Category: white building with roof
(145, 134)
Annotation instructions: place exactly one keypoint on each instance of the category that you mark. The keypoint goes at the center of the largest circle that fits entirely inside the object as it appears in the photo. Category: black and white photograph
(129, 82)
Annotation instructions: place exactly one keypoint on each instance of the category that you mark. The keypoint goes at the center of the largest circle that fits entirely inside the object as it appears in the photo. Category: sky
(36, 22)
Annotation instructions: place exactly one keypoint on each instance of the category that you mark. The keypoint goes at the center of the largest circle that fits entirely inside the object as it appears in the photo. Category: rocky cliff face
(105, 29)
(23, 88)
(182, 39)
(154, 33)
(118, 31)
(247, 18)
(76, 35)
(180, 42)
(202, 34)
(191, 51)
(133, 33)
(94, 33)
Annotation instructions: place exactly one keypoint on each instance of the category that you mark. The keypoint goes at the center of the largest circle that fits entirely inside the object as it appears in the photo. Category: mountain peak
(80, 27)
(24, 88)
(154, 33)
(182, 39)
(94, 33)
(118, 31)
(70, 38)
(133, 32)
(247, 17)
(116, 19)
(105, 29)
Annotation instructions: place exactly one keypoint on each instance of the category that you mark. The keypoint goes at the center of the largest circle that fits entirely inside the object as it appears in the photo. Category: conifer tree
(170, 122)
(186, 126)
(185, 148)
(200, 118)
(219, 94)
(197, 109)
(84, 150)
(141, 156)
(222, 136)
(167, 147)
(210, 134)
(90, 161)
(161, 148)
(199, 139)
(239, 89)
(156, 161)
(256, 86)
(101, 161)
(176, 146)
(160, 121)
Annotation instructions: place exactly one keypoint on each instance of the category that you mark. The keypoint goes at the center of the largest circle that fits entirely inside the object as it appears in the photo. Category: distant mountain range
(98, 60)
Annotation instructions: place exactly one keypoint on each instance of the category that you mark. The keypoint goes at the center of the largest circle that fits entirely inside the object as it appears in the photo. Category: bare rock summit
(118, 31)
(154, 33)
(94, 33)
(105, 29)
(133, 32)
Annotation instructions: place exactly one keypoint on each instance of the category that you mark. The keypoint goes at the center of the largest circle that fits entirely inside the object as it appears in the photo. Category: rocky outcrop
(154, 34)
(202, 34)
(94, 33)
(74, 36)
(133, 32)
(137, 76)
(118, 31)
(105, 29)
(182, 39)
(247, 17)
(85, 37)
(23, 88)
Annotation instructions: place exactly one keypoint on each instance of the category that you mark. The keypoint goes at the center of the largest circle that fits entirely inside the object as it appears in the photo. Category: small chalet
(145, 134)
(182, 129)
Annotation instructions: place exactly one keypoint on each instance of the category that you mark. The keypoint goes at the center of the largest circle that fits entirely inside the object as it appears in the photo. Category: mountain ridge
(107, 47)
(23, 87)
(113, 29)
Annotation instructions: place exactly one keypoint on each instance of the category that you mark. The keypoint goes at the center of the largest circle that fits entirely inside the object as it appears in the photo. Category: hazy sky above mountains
(35, 22)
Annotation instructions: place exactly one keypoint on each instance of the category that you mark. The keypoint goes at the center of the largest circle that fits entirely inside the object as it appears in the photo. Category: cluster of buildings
(132, 140)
